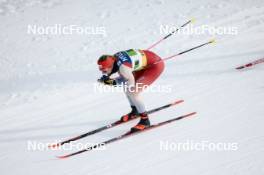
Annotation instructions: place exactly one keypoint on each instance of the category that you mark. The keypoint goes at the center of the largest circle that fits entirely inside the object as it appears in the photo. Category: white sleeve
(127, 73)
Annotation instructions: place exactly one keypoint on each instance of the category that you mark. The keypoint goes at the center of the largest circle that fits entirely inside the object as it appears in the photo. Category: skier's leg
(147, 77)
(135, 105)
(136, 101)
(129, 100)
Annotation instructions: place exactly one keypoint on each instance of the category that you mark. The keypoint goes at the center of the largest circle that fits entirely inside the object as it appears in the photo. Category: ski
(128, 134)
(116, 123)
(251, 64)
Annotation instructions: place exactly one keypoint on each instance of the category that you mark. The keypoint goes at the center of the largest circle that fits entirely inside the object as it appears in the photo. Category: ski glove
(107, 80)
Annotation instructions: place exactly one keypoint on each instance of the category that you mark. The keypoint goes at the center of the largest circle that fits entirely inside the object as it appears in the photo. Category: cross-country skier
(136, 68)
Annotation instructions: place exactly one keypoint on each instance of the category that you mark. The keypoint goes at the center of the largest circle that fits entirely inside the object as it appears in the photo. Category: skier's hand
(107, 80)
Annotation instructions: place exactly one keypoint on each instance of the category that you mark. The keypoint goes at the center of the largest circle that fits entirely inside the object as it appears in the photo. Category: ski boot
(142, 124)
(133, 114)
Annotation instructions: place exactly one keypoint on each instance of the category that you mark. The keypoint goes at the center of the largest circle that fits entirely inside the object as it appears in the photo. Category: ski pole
(170, 34)
(183, 52)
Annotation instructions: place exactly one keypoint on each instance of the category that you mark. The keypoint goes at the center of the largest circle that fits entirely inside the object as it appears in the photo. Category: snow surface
(46, 86)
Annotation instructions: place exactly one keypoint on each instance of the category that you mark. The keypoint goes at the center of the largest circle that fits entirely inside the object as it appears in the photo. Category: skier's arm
(127, 74)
